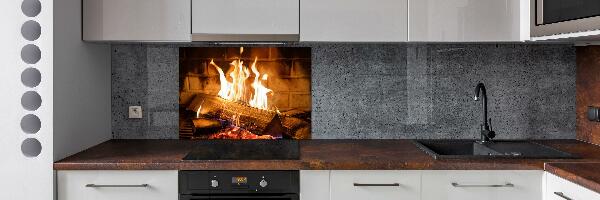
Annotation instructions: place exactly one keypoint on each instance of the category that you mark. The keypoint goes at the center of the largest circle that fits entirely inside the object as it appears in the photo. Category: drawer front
(314, 184)
(560, 189)
(482, 185)
(375, 185)
(117, 185)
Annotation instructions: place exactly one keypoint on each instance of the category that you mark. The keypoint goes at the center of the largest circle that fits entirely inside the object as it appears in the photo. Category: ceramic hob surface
(245, 150)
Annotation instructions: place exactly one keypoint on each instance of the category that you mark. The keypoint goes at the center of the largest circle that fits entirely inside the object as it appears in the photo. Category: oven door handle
(376, 184)
(116, 186)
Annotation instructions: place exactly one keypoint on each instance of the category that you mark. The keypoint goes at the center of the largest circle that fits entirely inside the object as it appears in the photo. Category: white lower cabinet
(375, 185)
(560, 189)
(341, 185)
(482, 185)
(314, 184)
(117, 185)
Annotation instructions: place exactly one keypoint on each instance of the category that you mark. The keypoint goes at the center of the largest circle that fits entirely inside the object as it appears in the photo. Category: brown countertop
(584, 174)
(314, 154)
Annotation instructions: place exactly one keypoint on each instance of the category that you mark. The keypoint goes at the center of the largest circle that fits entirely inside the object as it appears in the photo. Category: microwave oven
(553, 17)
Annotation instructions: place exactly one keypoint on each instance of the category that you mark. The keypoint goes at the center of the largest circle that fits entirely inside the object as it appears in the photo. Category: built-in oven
(239, 185)
(552, 17)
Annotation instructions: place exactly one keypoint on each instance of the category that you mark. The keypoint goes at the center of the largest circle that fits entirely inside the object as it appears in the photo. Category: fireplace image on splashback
(244, 93)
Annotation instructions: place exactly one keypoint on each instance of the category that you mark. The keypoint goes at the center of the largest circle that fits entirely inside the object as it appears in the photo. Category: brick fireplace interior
(244, 92)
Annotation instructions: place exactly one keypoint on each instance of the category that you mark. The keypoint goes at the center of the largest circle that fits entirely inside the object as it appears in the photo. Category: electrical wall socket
(135, 112)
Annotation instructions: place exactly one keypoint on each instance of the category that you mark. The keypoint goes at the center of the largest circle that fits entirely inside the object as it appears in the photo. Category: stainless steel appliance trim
(250, 43)
(115, 186)
(258, 197)
(376, 184)
(562, 195)
(245, 37)
(572, 26)
(539, 12)
(492, 185)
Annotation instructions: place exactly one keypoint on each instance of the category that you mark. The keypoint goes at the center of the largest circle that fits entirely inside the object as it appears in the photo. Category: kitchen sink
(471, 149)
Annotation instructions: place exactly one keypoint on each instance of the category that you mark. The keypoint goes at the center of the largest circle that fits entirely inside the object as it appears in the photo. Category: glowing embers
(234, 132)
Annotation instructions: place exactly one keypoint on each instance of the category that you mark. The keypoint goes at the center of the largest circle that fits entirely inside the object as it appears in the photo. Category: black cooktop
(245, 150)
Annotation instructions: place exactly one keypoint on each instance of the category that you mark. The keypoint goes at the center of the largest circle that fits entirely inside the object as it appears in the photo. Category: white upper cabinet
(354, 20)
(245, 20)
(468, 20)
(307, 20)
(136, 20)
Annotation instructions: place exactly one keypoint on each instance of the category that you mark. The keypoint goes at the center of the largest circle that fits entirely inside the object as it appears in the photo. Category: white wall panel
(82, 109)
(24, 177)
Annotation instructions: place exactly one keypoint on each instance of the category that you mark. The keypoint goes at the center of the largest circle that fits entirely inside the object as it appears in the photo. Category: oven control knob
(263, 183)
(214, 183)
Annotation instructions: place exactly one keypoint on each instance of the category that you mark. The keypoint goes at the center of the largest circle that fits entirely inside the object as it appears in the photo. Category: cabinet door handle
(115, 186)
(376, 184)
(492, 185)
(562, 195)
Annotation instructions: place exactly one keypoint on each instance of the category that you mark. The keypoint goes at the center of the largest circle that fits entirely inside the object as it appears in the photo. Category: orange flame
(259, 99)
(236, 89)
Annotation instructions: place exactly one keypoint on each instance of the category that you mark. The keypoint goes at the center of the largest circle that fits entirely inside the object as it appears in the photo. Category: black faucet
(487, 134)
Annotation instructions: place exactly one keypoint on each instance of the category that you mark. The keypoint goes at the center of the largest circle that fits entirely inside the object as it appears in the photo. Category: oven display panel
(239, 180)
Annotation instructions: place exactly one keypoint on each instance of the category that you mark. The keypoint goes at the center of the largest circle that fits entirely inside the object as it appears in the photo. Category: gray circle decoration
(31, 8)
(31, 77)
(31, 30)
(31, 147)
(31, 100)
(31, 124)
(31, 54)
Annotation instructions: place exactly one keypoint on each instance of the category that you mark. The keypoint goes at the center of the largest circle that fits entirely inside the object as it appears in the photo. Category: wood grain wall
(588, 92)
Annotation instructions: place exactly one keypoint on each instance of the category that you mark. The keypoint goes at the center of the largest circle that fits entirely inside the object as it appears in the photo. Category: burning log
(206, 123)
(258, 121)
(298, 129)
(206, 126)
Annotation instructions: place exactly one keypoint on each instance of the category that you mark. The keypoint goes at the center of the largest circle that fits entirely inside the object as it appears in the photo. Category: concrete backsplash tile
(382, 91)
